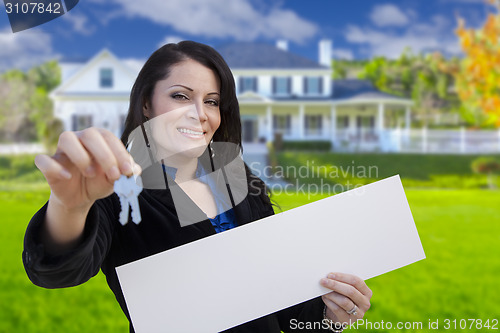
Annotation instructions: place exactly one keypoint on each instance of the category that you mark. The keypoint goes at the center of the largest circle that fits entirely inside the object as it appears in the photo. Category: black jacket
(107, 244)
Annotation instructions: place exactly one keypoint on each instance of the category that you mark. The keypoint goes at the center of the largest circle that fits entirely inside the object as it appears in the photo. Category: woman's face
(184, 110)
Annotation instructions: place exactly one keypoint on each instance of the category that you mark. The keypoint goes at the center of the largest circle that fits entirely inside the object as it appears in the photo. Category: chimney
(325, 52)
(282, 44)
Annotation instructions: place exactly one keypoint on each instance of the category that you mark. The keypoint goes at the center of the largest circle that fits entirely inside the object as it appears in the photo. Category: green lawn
(416, 170)
(459, 279)
(459, 229)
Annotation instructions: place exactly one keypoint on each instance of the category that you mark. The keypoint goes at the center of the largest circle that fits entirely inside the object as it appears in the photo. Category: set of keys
(128, 189)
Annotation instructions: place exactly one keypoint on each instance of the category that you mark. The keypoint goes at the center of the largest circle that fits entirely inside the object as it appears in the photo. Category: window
(282, 85)
(342, 122)
(80, 122)
(106, 78)
(314, 124)
(365, 122)
(248, 83)
(313, 85)
(282, 124)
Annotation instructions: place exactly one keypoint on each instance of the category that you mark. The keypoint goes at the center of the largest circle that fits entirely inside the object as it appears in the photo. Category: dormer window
(313, 85)
(282, 85)
(106, 78)
(248, 83)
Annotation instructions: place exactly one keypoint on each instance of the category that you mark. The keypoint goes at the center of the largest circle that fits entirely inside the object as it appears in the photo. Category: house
(280, 93)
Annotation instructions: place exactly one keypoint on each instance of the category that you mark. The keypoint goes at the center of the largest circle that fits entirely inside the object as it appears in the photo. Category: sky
(133, 29)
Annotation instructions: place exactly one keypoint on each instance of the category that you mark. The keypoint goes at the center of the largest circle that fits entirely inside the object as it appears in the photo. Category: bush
(486, 165)
(318, 145)
(13, 167)
(489, 166)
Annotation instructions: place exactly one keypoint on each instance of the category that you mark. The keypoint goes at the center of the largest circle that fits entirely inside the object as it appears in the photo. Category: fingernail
(331, 276)
(137, 169)
(65, 174)
(324, 282)
(113, 173)
(127, 168)
(90, 171)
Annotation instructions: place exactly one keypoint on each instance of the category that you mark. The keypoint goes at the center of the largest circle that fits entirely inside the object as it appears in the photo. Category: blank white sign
(245, 273)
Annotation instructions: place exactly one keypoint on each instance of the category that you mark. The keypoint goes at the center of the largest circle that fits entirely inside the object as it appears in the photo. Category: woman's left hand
(349, 299)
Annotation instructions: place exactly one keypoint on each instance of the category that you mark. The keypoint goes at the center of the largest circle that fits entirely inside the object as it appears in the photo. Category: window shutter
(255, 86)
(241, 88)
(288, 122)
(289, 85)
(320, 122)
(320, 85)
(274, 86)
(305, 86)
(74, 122)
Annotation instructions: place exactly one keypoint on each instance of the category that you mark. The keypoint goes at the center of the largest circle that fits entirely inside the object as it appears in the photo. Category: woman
(182, 105)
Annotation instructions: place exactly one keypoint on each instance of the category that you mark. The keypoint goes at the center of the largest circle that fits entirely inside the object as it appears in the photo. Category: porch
(348, 126)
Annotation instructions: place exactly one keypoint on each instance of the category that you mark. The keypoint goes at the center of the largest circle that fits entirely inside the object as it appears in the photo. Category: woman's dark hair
(157, 68)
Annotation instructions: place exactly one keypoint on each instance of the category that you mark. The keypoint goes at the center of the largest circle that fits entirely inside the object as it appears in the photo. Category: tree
(15, 108)
(417, 77)
(26, 112)
(478, 76)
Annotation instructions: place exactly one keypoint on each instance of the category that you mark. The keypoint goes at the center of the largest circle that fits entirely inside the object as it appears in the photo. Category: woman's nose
(198, 111)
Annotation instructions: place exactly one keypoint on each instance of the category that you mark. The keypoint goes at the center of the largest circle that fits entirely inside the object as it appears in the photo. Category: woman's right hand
(83, 169)
(85, 166)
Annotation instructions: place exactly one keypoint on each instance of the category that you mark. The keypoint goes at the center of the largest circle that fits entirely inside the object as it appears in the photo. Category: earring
(212, 151)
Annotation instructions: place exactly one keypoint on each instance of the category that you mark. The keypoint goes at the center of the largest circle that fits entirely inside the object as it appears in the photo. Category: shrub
(317, 145)
(486, 165)
(489, 166)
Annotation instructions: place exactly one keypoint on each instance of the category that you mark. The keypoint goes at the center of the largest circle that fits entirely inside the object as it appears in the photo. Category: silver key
(128, 189)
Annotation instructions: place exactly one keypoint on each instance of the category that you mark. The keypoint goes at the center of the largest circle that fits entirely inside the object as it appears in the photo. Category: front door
(249, 130)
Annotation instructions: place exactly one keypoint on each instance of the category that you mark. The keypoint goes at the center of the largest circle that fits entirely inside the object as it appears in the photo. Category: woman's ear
(146, 110)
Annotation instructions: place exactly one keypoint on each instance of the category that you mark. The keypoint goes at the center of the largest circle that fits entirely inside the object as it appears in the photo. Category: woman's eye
(179, 96)
(212, 102)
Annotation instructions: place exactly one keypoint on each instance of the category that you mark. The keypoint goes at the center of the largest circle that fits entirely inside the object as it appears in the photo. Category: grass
(25, 307)
(459, 229)
(416, 170)
(460, 233)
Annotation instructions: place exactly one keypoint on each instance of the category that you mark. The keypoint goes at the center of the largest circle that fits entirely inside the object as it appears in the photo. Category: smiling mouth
(191, 133)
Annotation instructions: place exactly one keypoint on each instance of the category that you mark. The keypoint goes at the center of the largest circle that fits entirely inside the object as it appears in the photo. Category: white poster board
(245, 273)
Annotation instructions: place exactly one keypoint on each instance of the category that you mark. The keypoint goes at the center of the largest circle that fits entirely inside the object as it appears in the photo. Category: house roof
(244, 55)
(75, 71)
(359, 89)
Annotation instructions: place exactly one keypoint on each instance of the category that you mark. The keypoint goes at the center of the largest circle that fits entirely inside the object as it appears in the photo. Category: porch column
(333, 124)
(269, 123)
(407, 120)
(301, 121)
(380, 121)
(380, 128)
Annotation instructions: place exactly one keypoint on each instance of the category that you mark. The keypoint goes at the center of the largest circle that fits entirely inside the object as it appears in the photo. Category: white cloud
(342, 54)
(388, 15)
(434, 35)
(238, 19)
(134, 64)
(80, 23)
(170, 39)
(24, 49)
